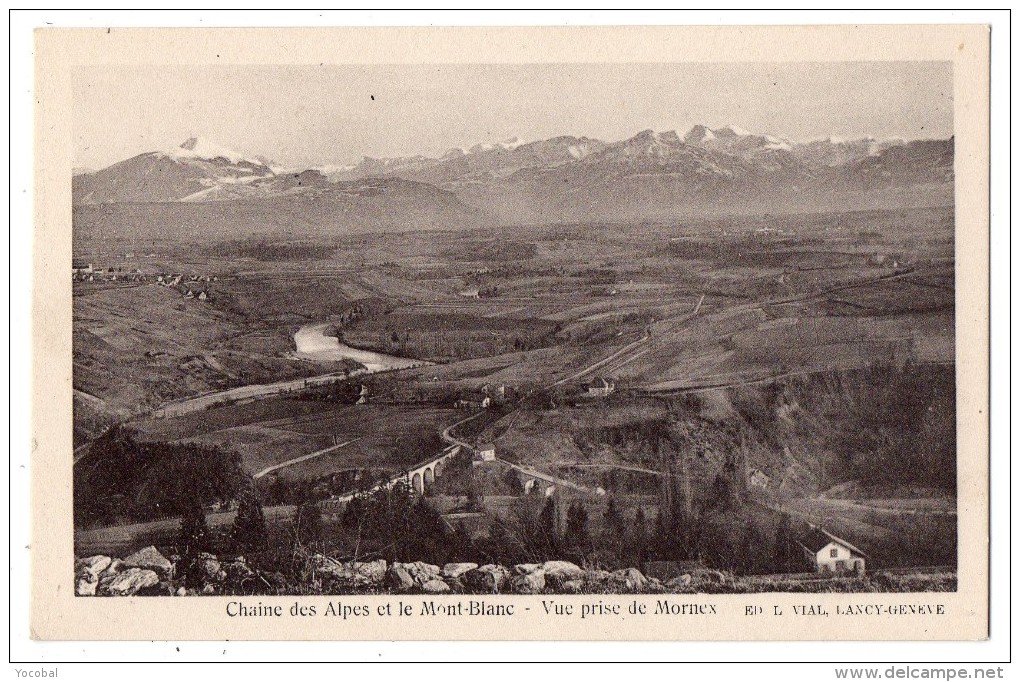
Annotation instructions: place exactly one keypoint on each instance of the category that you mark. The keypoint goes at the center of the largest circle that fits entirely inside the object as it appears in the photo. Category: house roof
(817, 538)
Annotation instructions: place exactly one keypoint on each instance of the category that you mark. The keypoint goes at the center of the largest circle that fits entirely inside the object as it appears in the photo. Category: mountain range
(651, 175)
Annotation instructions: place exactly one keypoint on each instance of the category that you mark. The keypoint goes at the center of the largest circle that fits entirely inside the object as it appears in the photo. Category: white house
(758, 478)
(486, 452)
(601, 387)
(830, 554)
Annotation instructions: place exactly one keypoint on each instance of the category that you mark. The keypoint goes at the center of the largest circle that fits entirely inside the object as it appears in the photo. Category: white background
(727, 656)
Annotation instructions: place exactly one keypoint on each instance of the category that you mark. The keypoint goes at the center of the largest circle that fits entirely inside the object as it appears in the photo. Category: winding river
(313, 344)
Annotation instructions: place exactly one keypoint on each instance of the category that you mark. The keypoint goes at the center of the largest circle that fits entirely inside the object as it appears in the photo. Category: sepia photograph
(616, 333)
(486, 329)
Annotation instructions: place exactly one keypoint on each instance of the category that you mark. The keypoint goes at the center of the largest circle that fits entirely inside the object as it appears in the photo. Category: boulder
(351, 573)
(680, 582)
(457, 570)
(420, 571)
(374, 572)
(628, 580)
(206, 568)
(559, 572)
(209, 589)
(528, 583)
(524, 569)
(93, 565)
(487, 579)
(86, 584)
(711, 576)
(563, 568)
(128, 582)
(181, 592)
(115, 567)
(435, 586)
(399, 579)
(235, 574)
(149, 558)
(572, 587)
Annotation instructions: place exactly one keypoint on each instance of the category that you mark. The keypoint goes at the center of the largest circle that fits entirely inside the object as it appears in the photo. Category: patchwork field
(270, 432)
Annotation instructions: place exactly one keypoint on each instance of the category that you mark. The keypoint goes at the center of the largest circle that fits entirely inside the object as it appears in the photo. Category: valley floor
(759, 370)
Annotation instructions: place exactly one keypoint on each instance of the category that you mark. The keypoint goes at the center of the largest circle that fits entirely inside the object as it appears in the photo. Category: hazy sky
(334, 114)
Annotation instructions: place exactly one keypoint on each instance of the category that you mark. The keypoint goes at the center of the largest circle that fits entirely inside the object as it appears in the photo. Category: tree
(749, 557)
(613, 529)
(475, 499)
(194, 534)
(461, 544)
(308, 523)
(249, 532)
(426, 538)
(613, 519)
(782, 553)
(577, 526)
(547, 536)
(638, 545)
(722, 493)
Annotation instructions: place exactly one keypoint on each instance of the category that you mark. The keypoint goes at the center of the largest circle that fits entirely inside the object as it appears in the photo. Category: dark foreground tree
(249, 532)
(308, 524)
(576, 535)
(548, 538)
(194, 533)
(783, 555)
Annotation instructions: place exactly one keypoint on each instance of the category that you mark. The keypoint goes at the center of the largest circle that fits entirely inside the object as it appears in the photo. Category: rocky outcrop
(451, 571)
(128, 582)
(150, 559)
(351, 574)
(420, 572)
(628, 580)
(435, 586)
(528, 583)
(487, 579)
(524, 569)
(87, 573)
(399, 579)
(559, 572)
(148, 572)
(93, 565)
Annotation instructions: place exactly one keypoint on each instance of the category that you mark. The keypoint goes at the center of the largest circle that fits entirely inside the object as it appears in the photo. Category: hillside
(806, 434)
(312, 210)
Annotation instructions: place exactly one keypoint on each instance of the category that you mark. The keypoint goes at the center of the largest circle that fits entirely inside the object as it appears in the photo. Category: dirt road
(303, 458)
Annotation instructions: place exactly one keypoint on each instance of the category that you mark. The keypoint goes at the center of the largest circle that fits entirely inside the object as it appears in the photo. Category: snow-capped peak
(699, 133)
(201, 148)
(506, 145)
(732, 131)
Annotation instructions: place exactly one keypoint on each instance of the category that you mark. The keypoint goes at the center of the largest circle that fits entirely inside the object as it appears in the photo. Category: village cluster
(191, 286)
